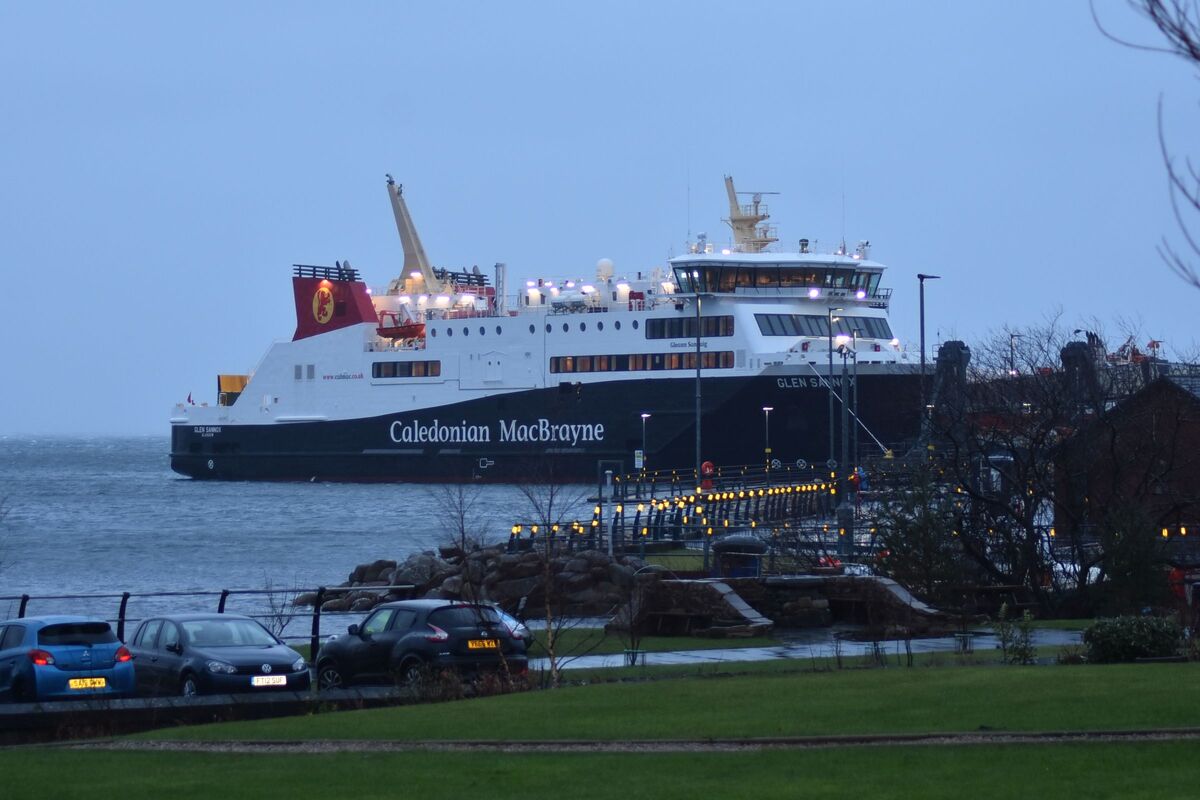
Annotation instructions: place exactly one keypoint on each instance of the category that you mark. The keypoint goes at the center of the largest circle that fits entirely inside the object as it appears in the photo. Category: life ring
(707, 469)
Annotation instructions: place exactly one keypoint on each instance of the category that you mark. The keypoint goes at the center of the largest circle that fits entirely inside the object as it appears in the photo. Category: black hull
(732, 431)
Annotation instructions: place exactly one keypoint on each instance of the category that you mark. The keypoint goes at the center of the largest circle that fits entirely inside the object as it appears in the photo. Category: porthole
(599, 326)
(635, 324)
(566, 327)
(433, 332)
(498, 329)
(583, 326)
(449, 331)
(617, 324)
(531, 329)
(466, 331)
(547, 327)
(482, 331)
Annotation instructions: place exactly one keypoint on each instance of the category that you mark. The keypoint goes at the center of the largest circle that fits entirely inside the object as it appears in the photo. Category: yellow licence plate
(269, 680)
(87, 683)
(482, 644)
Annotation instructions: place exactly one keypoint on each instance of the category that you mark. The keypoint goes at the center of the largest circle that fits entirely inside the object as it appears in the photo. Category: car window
(404, 619)
(13, 636)
(463, 616)
(232, 632)
(378, 622)
(147, 633)
(169, 636)
(76, 633)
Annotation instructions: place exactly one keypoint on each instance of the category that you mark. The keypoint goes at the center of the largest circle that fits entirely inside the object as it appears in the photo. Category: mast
(748, 235)
(414, 252)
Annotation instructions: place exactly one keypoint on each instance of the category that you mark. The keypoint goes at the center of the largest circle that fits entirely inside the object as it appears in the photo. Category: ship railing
(282, 607)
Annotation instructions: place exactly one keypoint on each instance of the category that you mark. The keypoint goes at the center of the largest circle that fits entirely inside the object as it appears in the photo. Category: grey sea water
(107, 515)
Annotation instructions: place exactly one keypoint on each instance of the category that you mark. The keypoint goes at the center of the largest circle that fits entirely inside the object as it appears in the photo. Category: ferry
(737, 354)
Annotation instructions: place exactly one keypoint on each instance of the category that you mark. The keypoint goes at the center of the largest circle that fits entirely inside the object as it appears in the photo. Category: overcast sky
(164, 164)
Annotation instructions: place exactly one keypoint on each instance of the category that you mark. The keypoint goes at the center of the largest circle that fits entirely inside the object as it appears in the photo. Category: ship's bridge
(810, 275)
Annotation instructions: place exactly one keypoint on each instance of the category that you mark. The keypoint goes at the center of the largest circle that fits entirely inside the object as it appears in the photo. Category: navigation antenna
(748, 235)
(414, 252)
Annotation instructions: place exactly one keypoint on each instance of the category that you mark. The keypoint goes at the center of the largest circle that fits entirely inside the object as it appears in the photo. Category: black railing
(326, 273)
(286, 611)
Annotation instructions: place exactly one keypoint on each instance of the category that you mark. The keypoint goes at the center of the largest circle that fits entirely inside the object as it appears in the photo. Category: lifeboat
(391, 327)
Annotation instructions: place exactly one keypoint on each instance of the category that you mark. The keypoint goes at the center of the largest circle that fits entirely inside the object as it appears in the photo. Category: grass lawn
(893, 700)
(1139, 770)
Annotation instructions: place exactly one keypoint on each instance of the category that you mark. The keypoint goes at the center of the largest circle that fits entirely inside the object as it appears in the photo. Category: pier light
(1164, 533)
(753, 524)
(645, 531)
(620, 508)
(710, 531)
(1052, 533)
(861, 294)
(516, 529)
(533, 529)
(554, 528)
(596, 510)
(1182, 531)
(595, 523)
(726, 523)
(813, 294)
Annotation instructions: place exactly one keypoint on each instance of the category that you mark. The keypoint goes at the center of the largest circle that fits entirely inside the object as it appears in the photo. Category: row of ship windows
(675, 328)
(640, 362)
(406, 369)
(818, 325)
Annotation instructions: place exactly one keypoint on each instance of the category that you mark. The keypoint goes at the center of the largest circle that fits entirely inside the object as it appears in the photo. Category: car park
(190, 654)
(402, 640)
(58, 657)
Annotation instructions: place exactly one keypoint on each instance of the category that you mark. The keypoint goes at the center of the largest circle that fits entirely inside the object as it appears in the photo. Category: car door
(169, 654)
(12, 656)
(145, 657)
(369, 649)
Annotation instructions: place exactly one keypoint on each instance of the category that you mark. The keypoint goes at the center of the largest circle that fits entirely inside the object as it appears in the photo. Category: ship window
(566, 327)
(299, 372)
(466, 331)
(685, 327)
(818, 325)
(498, 330)
(582, 326)
(617, 324)
(449, 331)
(311, 371)
(599, 326)
(583, 364)
(433, 332)
(406, 369)
(531, 329)
(635, 324)
(482, 331)
(547, 328)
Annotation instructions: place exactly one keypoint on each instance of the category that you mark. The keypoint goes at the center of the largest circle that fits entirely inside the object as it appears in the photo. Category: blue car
(61, 657)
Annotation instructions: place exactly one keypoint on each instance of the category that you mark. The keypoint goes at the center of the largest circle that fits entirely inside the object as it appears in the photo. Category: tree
(467, 524)
(1179, 23)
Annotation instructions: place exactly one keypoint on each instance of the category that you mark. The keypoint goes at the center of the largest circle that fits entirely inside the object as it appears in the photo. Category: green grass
(1122, 696)
(1141, 770)
(1062, 624)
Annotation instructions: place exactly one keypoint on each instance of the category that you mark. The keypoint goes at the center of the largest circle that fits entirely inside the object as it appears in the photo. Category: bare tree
(467, 523)
(1178, 21)
(281, 606)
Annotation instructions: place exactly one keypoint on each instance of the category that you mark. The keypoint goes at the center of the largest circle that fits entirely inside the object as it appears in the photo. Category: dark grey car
(399, 641)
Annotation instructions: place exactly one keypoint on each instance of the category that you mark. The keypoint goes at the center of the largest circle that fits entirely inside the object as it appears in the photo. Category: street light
(830, 382)
(767, 437)
(645, 417)
(921, 278)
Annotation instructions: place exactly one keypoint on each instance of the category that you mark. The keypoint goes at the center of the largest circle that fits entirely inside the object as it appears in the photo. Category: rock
(359, 572)
(452, 586)
(363, 604)
(305, 599)
(620, 575)
(337, 604)
(375, 570)
(515, 589)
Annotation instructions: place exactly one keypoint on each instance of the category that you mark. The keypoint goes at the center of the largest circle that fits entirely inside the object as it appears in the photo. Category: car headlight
(299, 666)
(220, 667)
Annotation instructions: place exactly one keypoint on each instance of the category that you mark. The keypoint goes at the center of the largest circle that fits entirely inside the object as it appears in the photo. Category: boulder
(363, 604)
(376, 569)
(336, 604)
(452, 586)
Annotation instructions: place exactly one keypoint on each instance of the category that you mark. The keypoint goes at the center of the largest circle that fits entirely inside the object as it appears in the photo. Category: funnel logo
(323, 305)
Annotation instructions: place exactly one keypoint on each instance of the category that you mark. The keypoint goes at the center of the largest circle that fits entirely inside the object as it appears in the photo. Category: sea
(101, 516)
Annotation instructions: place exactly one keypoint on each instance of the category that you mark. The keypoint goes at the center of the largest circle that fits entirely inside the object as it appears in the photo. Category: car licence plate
(87, 683)
(269, 680)
(482, 644)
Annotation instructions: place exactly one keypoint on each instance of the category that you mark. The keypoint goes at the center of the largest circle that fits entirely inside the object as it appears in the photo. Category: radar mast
(748, 235)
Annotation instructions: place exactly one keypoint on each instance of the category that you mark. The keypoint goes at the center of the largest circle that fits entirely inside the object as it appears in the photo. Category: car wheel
(411, 672)
(329, 676)
(188, 687)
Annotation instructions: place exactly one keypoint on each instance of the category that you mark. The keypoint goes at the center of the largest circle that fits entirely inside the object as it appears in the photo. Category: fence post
(21, 608)
(314, 644)
(121, 616)
(221, 602)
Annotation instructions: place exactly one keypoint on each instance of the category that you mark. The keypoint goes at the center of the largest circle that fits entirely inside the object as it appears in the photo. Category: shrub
(1129, 638)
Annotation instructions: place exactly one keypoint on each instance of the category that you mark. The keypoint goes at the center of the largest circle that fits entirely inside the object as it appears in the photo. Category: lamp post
(921, 278)
(767, 437)
(831, 318)
(696, 285)
(645, 417)
(854, 407)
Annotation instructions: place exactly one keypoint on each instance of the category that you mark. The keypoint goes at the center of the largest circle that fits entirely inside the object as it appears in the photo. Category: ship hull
(569, 432)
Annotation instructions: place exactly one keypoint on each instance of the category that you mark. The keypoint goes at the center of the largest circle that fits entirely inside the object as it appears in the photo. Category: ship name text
(512, 430)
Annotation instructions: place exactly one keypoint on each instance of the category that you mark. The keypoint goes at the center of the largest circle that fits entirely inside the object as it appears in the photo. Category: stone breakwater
(584, 583)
